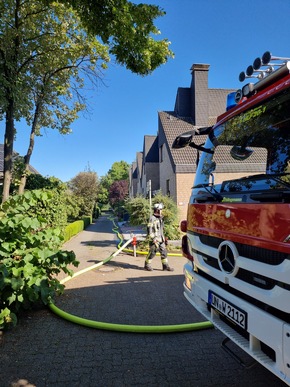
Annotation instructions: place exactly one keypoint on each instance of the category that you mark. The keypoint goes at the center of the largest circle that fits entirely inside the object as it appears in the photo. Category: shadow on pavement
(142, 300)
(45, 350)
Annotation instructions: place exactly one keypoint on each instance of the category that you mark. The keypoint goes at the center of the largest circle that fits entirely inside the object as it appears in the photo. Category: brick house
(195, 107)
(138, 174)
(145, 168)
(150, 164)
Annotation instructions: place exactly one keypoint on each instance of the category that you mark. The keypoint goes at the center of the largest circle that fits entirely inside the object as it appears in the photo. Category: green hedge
(74, 228)
(97, 212)
(87, 221)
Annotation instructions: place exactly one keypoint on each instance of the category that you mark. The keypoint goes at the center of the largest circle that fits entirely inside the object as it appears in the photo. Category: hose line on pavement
(129, 328)
(122, 327)
(138, 252)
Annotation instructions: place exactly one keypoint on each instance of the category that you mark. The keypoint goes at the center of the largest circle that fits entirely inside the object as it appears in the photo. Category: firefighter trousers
(153, 248)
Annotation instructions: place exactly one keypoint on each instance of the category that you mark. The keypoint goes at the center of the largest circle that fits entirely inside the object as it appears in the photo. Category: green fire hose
(123, 327)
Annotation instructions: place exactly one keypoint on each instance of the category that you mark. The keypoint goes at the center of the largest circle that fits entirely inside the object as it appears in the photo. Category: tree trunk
(11, 76)
(8, 150)
(22, 182)
(26, 163)
(30, 149)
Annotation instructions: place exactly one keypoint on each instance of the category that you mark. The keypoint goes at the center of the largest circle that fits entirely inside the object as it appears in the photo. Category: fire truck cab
(237, 240)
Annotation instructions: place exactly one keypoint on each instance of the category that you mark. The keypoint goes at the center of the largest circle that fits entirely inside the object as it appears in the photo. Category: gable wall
(152, 173)
(167, 173)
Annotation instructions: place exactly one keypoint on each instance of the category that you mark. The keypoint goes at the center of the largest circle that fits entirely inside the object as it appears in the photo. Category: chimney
(199, 94)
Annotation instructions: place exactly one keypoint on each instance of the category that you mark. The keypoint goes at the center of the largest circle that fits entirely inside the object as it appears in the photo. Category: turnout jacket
(155, 229)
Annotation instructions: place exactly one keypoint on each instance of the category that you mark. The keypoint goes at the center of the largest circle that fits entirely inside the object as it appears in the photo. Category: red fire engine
(237, 240)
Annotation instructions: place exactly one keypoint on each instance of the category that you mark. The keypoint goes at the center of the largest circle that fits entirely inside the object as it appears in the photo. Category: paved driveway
(45, 350)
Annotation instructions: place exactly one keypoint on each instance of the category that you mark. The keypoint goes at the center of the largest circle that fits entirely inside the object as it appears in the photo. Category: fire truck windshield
(255, 142)
(265, 127)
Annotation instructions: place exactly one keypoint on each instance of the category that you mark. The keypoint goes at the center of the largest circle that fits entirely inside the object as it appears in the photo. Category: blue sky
(226, 34)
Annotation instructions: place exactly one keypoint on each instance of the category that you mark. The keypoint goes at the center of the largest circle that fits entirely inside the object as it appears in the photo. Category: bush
(73, 229)
(139, 211)
(170, 214)
(85, 186)
(97, 212)
(30, 255)
(72, 204)
(87, 221)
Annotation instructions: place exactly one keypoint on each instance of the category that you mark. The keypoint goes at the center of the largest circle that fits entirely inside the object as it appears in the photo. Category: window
(264, 126)
(256, 138)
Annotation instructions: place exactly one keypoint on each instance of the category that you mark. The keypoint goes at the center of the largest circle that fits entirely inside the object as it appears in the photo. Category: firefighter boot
(148, 267)
(165, 266)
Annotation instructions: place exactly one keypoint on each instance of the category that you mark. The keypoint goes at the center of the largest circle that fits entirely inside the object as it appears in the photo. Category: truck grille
(252, 252)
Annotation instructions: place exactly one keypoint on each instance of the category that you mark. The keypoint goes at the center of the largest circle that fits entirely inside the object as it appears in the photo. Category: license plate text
(233, 313)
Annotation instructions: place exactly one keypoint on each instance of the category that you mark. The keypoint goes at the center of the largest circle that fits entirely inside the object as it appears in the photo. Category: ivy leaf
(11, 298)
(33, 294)
(7, 318)
(16, 283)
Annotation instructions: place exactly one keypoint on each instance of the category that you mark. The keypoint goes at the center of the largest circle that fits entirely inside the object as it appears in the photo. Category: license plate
(231, 312)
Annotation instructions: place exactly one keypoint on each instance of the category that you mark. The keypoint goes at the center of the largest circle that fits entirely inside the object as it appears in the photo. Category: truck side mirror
(240, 153)
(185, 139)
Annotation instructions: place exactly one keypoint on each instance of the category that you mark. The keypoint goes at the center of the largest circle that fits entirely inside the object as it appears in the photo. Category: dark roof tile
(15, 154)
(184, 160)
(172, 126)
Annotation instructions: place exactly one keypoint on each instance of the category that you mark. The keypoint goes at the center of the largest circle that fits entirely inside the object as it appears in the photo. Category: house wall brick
(184, 182)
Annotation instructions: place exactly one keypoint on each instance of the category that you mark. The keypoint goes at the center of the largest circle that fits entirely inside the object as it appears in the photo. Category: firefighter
(157, 240)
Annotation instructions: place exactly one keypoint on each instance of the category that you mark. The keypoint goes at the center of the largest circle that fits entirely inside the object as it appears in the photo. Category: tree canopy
(44, 44)
(127, 29)
(45, 54)
(118, 191)
(85, 186)
(119, 171)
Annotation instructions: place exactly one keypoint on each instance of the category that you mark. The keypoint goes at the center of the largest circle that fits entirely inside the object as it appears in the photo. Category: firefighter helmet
(158, 206)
